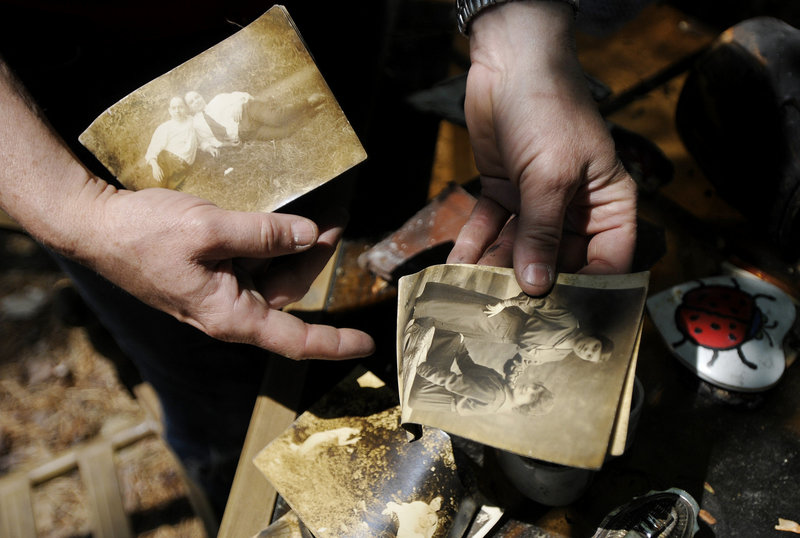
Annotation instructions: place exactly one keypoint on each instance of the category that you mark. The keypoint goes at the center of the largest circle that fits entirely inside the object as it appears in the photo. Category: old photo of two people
(539, 376)
(249, 124)
(227, 120)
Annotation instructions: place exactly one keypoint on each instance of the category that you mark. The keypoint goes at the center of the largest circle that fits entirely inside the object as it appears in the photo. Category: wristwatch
(467, 9)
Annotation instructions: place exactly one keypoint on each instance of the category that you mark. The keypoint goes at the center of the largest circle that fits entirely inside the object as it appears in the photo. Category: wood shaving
(708, 488)
(787, 525)
(707, 517)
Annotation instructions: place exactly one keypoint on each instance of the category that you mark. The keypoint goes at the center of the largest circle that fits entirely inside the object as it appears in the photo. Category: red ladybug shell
(717, 317)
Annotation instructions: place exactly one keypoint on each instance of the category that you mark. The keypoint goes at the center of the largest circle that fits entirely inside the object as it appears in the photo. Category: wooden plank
(252, 498)
(99, 475)
(16, 509)
(648, 45)
(316, 299)
(7, 222)
(653, 52)
(453, 159)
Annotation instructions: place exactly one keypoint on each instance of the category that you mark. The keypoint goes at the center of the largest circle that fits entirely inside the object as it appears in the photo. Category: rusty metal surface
(438, 223)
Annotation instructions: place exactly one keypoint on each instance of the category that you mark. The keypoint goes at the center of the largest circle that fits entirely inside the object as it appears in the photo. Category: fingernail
(303, 233)
(538, 274)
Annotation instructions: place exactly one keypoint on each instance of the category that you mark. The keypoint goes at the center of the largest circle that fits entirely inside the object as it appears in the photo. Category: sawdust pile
(58, 393)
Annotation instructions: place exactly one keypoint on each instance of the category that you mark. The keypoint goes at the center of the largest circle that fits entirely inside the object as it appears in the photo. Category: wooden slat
(16, 510)
(99, 475)
(66, 461)
(252, 498)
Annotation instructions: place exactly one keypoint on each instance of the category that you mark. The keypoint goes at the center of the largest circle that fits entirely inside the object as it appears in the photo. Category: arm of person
(522, 301)
(210, 149)
(434, 374)
(467, 407)
(157, 143)
(473, 383)
(158, 173)
(480, 390)
(208, 142)
(226, 273)
(554, 195)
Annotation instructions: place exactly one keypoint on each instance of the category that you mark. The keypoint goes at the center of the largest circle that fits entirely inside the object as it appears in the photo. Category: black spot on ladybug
(697, 330)
(731, 337)
(694, 317)
(715, 326)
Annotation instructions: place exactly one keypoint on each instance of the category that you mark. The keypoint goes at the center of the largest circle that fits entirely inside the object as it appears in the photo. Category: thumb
(261, 235)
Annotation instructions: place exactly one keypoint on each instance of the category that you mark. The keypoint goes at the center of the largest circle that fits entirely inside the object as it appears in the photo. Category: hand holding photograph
(250, 124)
(542, 377)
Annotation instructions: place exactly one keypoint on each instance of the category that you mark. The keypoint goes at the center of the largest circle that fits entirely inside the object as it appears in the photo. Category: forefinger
(291, 337)
(301, 340)
(481, 229)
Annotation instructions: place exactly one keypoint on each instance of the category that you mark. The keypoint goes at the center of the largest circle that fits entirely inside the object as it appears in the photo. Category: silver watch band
(467, 9)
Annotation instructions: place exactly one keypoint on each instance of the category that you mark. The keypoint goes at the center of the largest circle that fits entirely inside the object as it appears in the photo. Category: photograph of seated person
(475, 389)
(542, 328)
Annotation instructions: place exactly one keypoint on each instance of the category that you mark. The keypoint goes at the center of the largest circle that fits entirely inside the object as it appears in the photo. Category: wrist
(74, 228)
(43, 187)
(522, 29)
(466, 10)
(60, 213)
(528, 48)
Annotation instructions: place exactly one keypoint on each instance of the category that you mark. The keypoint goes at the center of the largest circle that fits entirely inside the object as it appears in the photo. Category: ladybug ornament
(721, 318)
(729, 330)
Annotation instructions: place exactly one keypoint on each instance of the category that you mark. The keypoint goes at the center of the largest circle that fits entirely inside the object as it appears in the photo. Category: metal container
(552, 484)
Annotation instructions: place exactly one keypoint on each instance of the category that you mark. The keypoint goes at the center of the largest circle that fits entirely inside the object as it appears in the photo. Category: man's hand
(554, 196)
(226, 273)
(492, 310)
(158, 173)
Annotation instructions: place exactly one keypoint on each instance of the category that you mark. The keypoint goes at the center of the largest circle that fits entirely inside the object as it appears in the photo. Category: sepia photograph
(368, 479)
(250, 124)
(541, 377)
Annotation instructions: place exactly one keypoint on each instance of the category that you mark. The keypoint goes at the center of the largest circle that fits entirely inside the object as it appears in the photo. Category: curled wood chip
(787, 525)
(707, 517)
(708, 488)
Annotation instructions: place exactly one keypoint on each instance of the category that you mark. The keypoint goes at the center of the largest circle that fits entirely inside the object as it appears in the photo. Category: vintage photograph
(368, 479)
(539, 376)
(250, 124)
